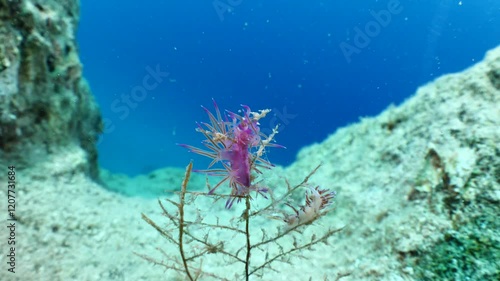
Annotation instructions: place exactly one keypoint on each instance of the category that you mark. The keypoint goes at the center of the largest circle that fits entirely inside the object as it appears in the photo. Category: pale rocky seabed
(418, 185)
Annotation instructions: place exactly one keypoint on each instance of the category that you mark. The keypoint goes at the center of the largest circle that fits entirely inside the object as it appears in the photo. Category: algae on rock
(45, 104)
(419, 185)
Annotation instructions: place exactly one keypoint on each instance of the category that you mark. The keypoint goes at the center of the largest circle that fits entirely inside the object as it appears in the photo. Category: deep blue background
(282, 55)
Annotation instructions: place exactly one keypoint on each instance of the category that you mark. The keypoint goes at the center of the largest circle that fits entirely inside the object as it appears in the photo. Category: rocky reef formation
(45, 104)
(419, 185)
(418, 193)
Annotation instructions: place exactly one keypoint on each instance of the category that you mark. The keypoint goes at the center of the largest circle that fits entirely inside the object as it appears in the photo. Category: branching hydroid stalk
(182, 197)
(236, 143)
(247, 233)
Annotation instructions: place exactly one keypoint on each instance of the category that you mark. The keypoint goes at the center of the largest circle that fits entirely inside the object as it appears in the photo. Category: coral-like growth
(317, 203)
(237, 143)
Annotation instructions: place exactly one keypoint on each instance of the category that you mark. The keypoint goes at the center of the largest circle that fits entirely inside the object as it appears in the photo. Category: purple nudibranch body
(238, 145)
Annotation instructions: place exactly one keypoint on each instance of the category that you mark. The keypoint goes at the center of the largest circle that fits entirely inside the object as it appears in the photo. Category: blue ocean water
(318, 65)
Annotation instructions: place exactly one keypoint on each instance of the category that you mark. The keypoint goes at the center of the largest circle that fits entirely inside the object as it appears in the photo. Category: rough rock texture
(150, 185)
(419, 185)
(45, 104)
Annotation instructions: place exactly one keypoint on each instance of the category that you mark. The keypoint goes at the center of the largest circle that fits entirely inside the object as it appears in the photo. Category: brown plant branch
(282, 253)
(182, 195)
(247, 234)
(290, 191)
(189, 253)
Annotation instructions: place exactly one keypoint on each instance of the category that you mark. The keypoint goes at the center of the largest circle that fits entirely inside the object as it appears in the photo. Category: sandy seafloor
(412, 183)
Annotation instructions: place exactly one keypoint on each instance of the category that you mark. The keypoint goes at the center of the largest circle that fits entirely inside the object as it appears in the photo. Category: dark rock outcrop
(45, 104)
